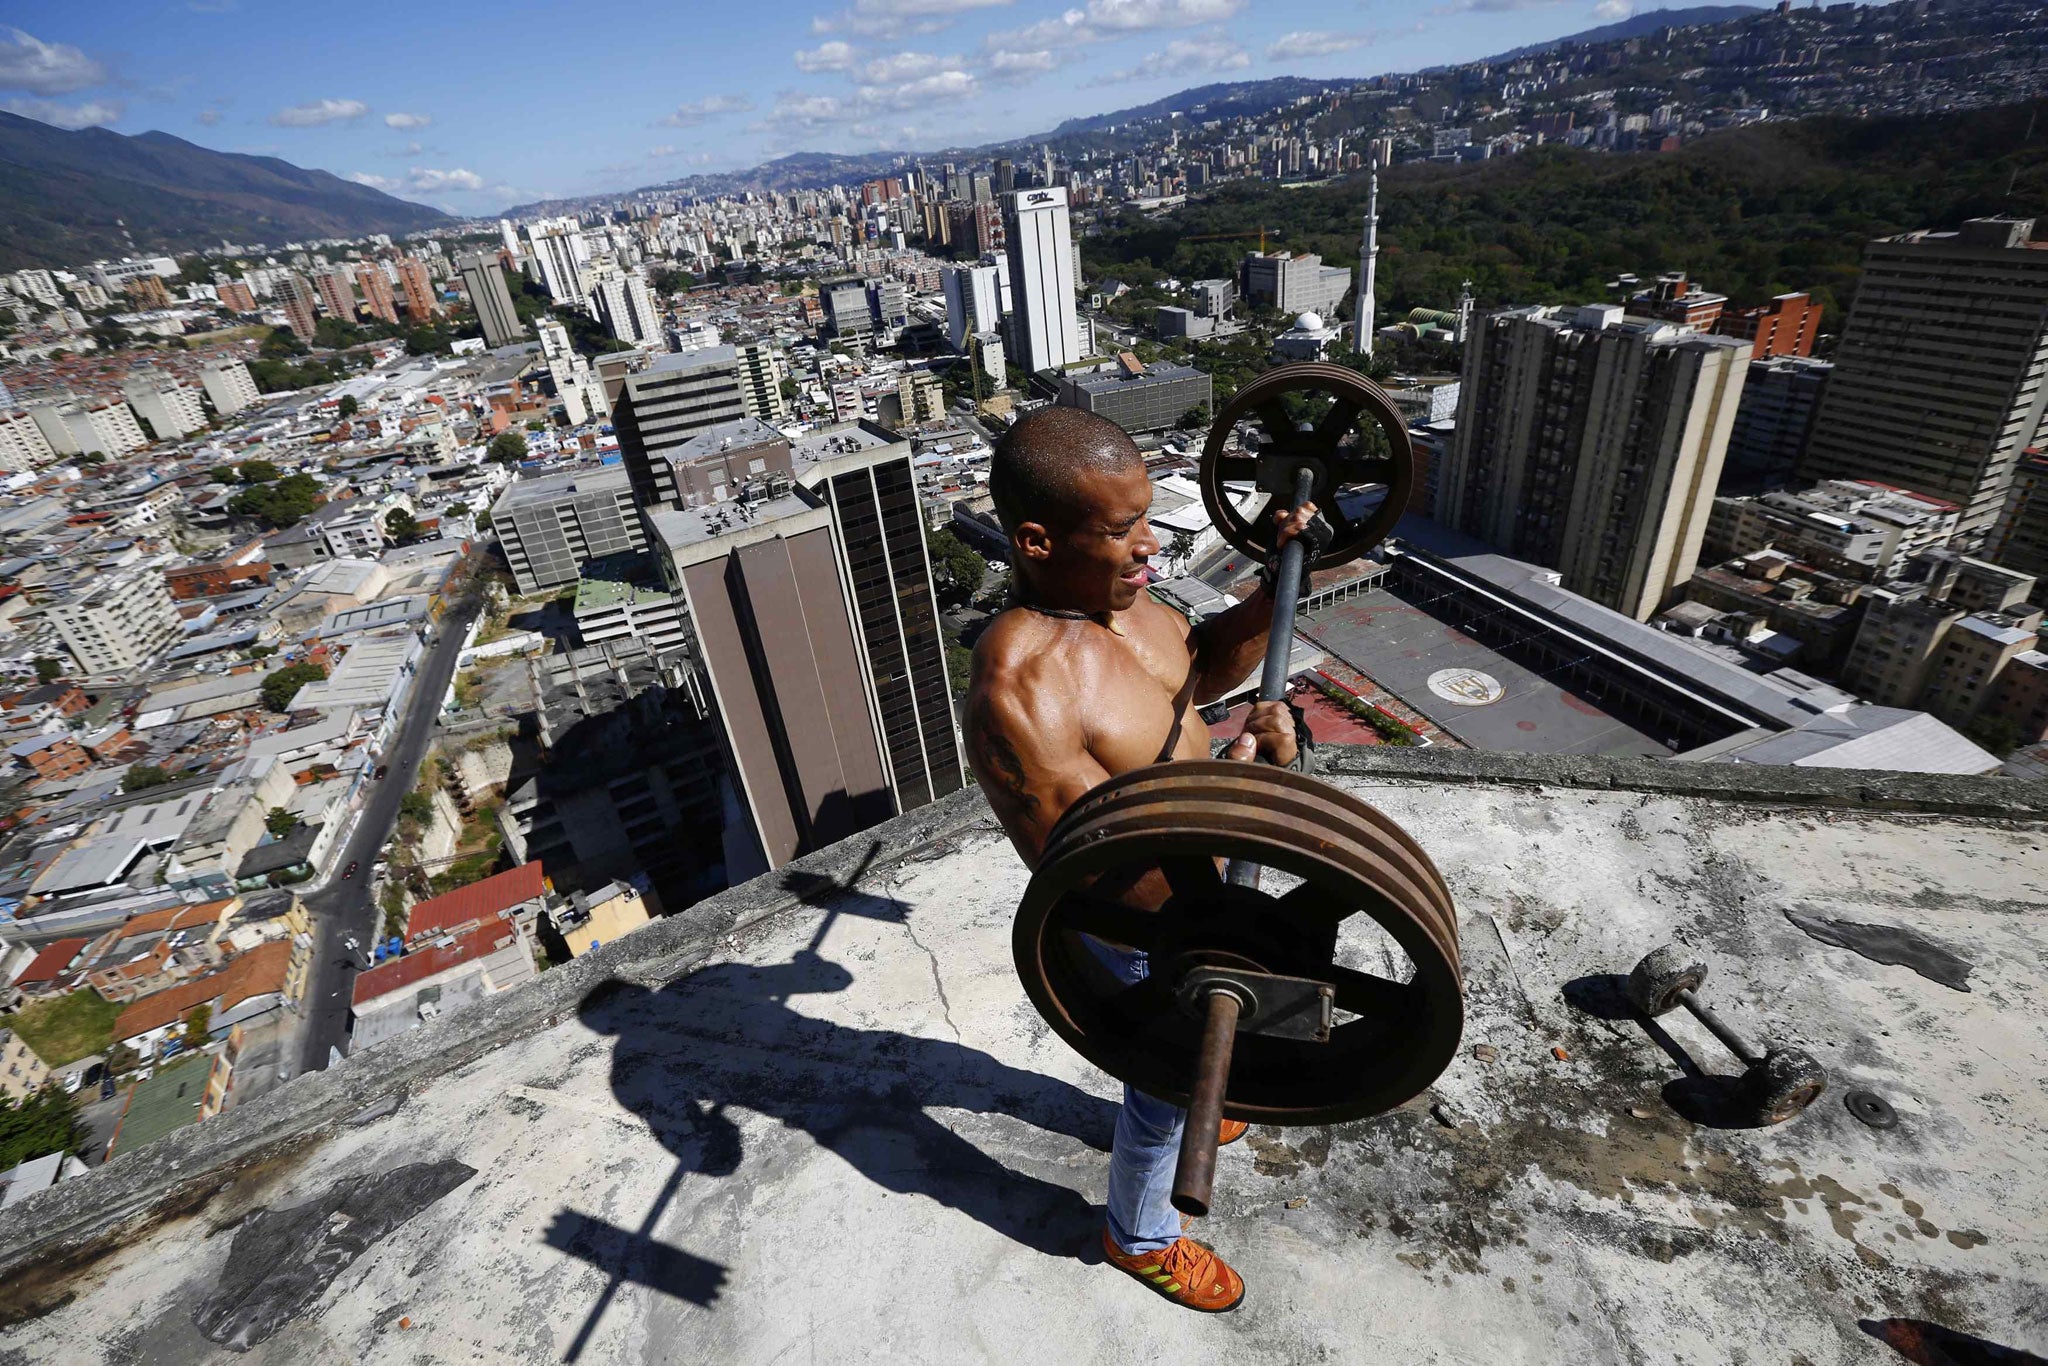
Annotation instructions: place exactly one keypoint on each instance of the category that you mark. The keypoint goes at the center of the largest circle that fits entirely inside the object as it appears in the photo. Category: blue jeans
(1141, 1160)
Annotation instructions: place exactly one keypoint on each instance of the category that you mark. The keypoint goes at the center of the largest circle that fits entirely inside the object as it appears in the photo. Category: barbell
(1249, 1009)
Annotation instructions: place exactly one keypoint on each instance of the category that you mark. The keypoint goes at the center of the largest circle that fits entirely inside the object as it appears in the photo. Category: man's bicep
(1032, 767)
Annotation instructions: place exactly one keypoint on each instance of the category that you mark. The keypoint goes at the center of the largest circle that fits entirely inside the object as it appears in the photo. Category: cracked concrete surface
(848, 1137)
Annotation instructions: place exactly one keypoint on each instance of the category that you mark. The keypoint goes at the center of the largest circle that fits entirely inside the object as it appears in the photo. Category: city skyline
(704, 92)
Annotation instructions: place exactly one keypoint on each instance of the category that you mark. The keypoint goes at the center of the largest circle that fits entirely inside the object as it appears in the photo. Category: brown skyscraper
(338, 293)
(377, 291)
(419, 290)
(810, 598)
(235, 296)
(297, 296)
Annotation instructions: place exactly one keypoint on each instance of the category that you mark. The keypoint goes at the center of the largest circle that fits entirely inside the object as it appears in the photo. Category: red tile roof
(49, 965)
(417, 966)
(260, 970)
(475, 903)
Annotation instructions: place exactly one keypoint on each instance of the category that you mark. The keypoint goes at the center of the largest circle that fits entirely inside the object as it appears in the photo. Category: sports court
(1478, 695)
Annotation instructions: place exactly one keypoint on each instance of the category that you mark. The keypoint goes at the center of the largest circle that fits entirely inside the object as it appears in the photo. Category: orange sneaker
(1187, 1273)
(1230, 1130)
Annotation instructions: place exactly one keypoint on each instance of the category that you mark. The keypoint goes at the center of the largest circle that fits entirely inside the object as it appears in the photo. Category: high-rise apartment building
(625, 306)
(337, 293)
(377, 295)
(761, 376)
(235, 296)
(229, 386)
(297, 298)
(22, 443)
(558, 249)
(553, 526)
(484, 282)
(817, 631)
(1042, 278)
(1779, 400)
(1786, 326)
(117, 622)
(1591, 443)
(418, 289)
(1939, 375)
(847, 311)
(172, 411)
(1294, 284)
(2021, 539)
(973, 302)
(663, 406)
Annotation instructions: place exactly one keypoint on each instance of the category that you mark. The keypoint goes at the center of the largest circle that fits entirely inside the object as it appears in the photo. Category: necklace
(1068, 614)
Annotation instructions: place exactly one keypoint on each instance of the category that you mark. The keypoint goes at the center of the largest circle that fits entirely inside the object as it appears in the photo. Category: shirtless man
(1087, 676)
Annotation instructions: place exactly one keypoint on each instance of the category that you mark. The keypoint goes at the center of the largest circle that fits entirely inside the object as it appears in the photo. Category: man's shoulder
(1020, 658)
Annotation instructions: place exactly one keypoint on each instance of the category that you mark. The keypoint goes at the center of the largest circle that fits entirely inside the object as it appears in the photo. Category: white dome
(1309, 322)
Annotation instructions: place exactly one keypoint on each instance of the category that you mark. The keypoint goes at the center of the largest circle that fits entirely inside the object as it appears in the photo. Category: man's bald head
(1043, 462)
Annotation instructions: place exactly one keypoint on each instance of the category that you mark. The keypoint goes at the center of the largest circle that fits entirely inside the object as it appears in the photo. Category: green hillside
(1750, 212)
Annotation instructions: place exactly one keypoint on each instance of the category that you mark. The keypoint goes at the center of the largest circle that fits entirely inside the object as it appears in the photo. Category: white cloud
(427, 180)
(796, 113)
(406, 120)
(695, 112)
(939, 87)
(375, 182)
(28, 63)
(209, 117)
(1021, 66)
(1043, 45)
(895, 18)
(1310, 42)
(1491, 6)
(1613, 9)
(662, 152)
(905, 66)
(832, 56)
(1135, 16)
(89, 114)
(319, 113)
(1186, 57)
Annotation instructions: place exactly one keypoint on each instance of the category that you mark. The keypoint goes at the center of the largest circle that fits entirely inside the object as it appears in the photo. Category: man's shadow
(727, 1036)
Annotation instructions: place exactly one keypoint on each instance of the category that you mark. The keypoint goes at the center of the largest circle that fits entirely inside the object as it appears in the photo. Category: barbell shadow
(1699, 1097)
(725, 1036)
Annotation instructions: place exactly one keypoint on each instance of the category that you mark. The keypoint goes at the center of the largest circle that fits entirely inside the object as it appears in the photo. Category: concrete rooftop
(815, 1118)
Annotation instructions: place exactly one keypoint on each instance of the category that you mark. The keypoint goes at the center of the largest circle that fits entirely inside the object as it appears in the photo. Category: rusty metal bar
(1195, 1174)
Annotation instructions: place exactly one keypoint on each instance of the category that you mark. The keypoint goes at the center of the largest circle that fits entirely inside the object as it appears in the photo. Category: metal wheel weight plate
(1339, 447)
(1386, 1040)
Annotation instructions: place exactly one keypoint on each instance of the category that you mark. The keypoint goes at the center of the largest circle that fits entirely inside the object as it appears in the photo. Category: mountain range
(68, 197)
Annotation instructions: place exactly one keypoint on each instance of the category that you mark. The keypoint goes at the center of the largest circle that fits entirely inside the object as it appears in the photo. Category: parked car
(350, 871)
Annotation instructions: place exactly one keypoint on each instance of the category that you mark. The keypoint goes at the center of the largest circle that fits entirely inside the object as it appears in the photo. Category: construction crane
(1236, 236)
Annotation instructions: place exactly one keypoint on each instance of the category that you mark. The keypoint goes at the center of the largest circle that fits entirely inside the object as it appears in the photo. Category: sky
(472, 107)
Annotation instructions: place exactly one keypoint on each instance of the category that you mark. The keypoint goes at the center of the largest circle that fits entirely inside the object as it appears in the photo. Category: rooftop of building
(724, 436)
(582, 479)
(677, 362)
(646, 1143)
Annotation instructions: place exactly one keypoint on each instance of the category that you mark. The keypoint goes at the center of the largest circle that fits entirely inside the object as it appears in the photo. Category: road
(343, 907)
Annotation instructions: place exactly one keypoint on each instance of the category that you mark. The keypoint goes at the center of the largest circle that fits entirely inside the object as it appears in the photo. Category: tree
(223, 474)
(349, 406)
(39, 1125)
(401, 526)
(257, 471)
(282, 685)
(48, 670)
(198, 1026)
(483, 520)
(416, 805)
(122, 1058)
(281, 504)
(507, 448)
(280, 823)
(1177, 550)
(668, 280)
(956, 570)
(456, 510)
(142, 777)
(1195, 418)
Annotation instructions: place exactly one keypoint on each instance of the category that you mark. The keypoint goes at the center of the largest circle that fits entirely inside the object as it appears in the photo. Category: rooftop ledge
(815, 1113)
